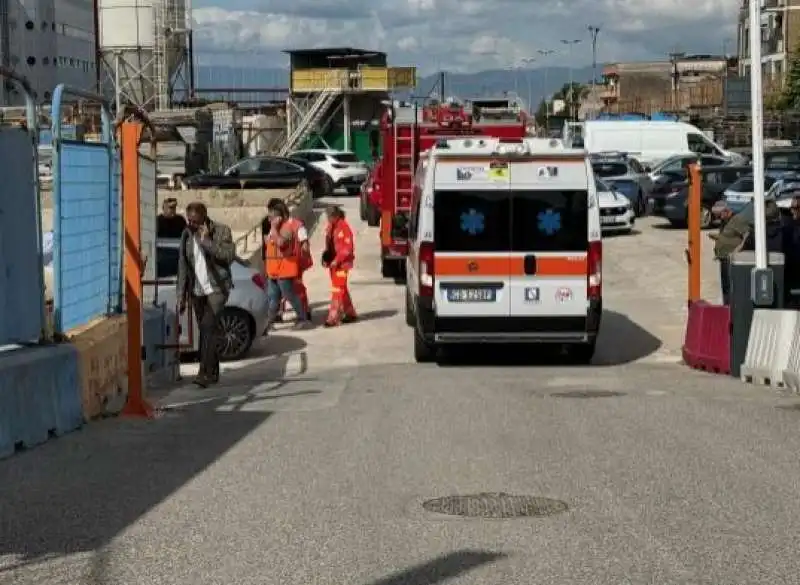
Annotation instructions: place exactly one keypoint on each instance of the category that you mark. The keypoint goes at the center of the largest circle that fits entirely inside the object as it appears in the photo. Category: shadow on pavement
(442, 568)
(621, 341)
(376, 315)
(76, 494)
(618, 235)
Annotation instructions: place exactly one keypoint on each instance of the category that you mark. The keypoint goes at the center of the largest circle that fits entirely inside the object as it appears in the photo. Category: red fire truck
(408, 130)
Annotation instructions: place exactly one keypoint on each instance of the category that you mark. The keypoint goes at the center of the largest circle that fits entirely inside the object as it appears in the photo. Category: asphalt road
(312, 462)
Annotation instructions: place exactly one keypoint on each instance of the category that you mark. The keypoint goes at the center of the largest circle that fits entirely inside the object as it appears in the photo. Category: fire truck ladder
(404, 140)
(310, 120)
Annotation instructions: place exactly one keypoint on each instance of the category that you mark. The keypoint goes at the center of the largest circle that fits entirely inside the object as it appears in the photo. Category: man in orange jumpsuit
(338, 258)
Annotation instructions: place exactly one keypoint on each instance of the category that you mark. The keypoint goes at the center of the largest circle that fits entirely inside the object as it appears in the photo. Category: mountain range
(527, 83)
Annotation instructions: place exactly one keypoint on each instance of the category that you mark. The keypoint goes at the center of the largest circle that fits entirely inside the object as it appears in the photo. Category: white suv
(343, 168)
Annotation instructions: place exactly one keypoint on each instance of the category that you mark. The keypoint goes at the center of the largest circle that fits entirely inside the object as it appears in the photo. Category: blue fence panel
(21, 280)
(116, 235)
(86, 250)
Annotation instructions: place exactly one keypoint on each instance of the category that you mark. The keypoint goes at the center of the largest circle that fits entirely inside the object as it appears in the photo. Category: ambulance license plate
(471, 295)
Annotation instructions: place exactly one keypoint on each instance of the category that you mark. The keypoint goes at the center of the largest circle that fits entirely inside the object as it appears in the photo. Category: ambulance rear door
(472, 210)
(549, 242)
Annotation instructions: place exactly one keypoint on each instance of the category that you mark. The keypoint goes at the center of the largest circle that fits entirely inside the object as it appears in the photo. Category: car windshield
(346, 157)
(600, 186)
(746, 185)
(609, 169)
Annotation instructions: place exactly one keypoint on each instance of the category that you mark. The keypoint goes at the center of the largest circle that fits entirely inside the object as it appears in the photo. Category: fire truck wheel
(373, 216)
(388, 268)
(410, 320)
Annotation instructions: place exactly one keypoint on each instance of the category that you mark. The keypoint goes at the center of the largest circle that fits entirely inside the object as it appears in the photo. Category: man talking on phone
(204, 280)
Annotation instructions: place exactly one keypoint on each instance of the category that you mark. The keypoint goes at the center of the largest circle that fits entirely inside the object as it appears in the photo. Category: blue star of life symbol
(473, 222)
(549, 221)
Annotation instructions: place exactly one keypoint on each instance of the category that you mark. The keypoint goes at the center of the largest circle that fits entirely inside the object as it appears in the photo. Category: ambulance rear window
(550, 221)
(472, 221)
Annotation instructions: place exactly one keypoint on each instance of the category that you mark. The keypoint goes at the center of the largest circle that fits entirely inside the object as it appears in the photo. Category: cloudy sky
(462, 35)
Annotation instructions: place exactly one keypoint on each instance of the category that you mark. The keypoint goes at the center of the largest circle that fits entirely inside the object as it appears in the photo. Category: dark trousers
(208, 311)
(725, 280)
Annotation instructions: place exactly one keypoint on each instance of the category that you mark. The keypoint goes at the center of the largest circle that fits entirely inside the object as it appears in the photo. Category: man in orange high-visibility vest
(306, 259)
(282, 252)
(338, 257)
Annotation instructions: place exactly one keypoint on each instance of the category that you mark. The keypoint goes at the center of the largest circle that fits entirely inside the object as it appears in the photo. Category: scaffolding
(153, 74)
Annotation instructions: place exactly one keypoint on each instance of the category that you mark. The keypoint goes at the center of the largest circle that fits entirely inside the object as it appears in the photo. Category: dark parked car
(260, 172)
(715, 180)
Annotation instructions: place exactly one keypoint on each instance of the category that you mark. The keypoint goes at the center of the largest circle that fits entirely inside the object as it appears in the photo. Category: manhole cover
(588, 394)
(495, 505)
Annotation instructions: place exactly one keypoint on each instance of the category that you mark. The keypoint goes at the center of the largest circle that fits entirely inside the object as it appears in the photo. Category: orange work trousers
(341, 302)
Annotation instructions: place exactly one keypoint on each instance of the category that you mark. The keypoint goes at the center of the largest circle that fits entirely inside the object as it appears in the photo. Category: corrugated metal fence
(21, 277)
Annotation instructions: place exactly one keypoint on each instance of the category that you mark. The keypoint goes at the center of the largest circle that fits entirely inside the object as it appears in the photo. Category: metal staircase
(310, 120)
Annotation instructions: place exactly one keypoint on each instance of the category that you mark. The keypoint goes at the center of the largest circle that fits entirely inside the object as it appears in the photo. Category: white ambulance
(505, 247)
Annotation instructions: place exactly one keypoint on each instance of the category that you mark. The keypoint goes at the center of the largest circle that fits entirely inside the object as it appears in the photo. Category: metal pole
(571, 100)
(756, 113)
(594, 31)
(546, 53)
(117, 89)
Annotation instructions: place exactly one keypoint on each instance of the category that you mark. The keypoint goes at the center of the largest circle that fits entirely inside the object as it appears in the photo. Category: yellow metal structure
(363, 79)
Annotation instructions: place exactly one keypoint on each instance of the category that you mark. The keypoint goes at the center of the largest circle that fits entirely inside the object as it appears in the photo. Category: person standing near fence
(204, 280)
(169, 223)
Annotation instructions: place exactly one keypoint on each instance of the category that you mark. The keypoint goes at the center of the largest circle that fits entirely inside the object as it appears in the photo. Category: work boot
(349, 319)
(202, 381)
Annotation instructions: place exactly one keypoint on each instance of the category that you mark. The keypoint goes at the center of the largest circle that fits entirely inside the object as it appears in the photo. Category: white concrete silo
(144, 48)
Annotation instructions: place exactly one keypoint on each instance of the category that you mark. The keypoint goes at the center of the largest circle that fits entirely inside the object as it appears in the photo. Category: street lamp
(528, 74)
(545, 53)
(593, 32)
(570, 43)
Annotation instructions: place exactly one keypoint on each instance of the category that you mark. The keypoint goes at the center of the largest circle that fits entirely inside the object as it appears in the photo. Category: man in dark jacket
(774, 229)
(791, 250)
(204, 279)
(734, 229)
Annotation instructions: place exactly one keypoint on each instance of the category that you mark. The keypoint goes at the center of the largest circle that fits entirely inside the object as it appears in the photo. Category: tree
(790, 96)
(571, 94)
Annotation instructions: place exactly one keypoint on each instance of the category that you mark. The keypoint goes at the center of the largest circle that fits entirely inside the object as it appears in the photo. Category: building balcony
(363, 79)
(608, 92)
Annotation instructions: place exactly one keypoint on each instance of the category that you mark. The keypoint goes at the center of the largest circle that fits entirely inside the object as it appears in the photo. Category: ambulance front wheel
(424, 351)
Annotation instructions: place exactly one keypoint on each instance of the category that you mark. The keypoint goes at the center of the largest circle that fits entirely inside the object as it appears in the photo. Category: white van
(649, 142)
(504, 247)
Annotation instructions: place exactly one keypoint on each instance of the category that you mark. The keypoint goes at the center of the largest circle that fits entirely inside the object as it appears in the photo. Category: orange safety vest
(283, 262)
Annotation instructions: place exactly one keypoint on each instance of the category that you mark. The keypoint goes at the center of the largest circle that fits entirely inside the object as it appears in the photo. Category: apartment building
(49, 42)
(780, 36)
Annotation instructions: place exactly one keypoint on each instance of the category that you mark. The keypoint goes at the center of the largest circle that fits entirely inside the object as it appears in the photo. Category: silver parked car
(625, 175)
(246, 313)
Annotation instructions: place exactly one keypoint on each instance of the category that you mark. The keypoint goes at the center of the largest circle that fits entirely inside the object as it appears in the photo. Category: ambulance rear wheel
(582, 353)
(410, 319)
(424, 352)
